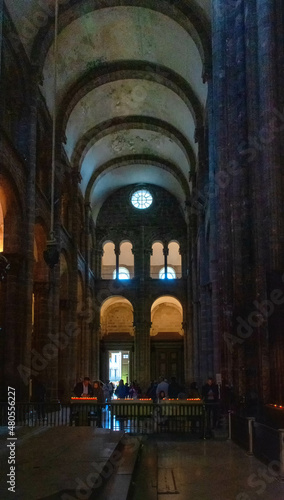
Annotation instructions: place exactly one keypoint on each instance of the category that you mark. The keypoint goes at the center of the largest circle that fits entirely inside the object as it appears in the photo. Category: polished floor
(202, 470)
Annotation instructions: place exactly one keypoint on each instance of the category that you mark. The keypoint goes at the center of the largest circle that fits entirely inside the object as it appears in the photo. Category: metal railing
(137, 416)
(263, 441)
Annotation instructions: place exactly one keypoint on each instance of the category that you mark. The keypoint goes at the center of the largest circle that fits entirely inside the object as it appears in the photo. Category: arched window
(1, 229)
(126, 257)
(123, 274)
(171, 274)
(157, 259)
(108, 260)
(174, 258)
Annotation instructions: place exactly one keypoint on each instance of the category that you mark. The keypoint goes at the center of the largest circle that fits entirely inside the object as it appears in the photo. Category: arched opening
(12, 326)
(123, 274)
(108, 261)
(167, 338)
(157, 260)
(11, 217)
(1, 228)
(117, 339)
(126, 259)
(170, 274)
(174, 258)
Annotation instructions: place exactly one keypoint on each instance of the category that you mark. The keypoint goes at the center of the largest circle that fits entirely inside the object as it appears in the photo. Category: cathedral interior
(141, 193)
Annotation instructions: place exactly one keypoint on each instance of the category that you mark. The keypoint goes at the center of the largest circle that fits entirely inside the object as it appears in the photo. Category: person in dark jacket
(84, 388)
(39, 392)
(120, 391)
(99, 394)
(174, 389)
(210, 396)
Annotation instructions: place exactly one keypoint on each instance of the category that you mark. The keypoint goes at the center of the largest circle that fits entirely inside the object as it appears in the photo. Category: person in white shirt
(162, 386)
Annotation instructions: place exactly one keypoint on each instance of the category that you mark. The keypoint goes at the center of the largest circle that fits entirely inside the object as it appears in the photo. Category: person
(162, 386)
(108, 389)
(194, 391)
(39, 392)
(137, 388)
(210, 396)
(151, 391)
(83, 389)
(99, 394)
(133, 391)
(161, 396)
(174, 388)
(120, 391)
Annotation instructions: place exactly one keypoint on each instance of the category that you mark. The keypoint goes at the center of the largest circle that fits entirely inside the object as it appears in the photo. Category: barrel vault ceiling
(130, 88)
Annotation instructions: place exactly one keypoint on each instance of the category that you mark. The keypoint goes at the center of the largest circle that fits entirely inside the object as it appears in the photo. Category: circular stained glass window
(141, 199)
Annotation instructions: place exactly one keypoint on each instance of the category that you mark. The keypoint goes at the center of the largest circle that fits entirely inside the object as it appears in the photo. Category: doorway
(119, 366)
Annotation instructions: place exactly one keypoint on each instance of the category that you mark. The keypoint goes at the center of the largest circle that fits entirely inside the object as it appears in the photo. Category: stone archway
(117, 339)
(167, 339)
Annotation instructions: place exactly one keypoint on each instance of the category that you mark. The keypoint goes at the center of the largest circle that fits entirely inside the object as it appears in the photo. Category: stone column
(98, 263)
(95, 333)
(147, 260)
(31, 136)
(142, 350)
(117, 254)
(68, 366)
(166, 253)
(185, 251)
(269, 142)
(229, 181)
(53, 335)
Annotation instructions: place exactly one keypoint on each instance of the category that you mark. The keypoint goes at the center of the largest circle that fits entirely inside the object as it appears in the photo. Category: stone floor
(202, 470)
(68, 463)
(59, 462)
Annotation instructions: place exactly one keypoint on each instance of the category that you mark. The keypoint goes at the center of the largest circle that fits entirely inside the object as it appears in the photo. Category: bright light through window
(171, 274)
(141, 199)
(123, 274)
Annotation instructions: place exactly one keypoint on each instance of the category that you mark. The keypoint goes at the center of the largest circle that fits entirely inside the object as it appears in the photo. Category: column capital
(166, 249)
